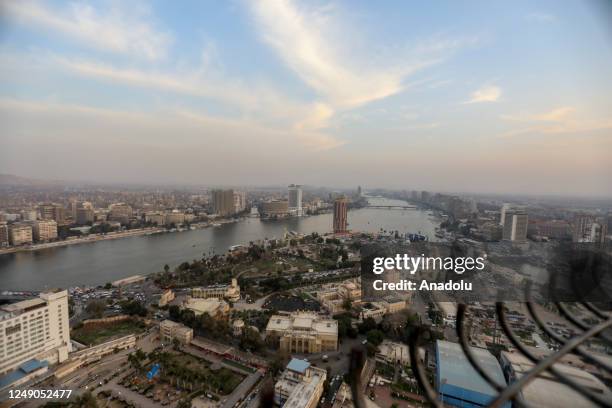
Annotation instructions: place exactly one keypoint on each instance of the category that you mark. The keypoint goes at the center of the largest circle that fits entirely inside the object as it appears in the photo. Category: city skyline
(494, 99)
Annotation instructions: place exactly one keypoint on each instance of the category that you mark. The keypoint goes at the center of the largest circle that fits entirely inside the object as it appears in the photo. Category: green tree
(375, 337)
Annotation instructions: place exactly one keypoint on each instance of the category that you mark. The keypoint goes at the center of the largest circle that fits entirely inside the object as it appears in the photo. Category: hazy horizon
(478, 98)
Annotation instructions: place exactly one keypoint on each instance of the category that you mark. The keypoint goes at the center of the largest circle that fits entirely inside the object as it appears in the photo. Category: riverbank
(112, 259)
(91, 238)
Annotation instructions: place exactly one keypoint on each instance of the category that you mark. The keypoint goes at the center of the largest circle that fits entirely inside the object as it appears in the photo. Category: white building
(300, 385)
(295, 200)
(35, 329)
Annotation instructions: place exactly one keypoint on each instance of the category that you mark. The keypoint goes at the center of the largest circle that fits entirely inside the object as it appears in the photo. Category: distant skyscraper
(515, 225)
(239, 201)
(53, 212)
(4, 234)
(340, 215)
(223, 202)
(84, 216)
(588, 228)
(358, 191)
(295, 200)
(425, 196)
(502, 213)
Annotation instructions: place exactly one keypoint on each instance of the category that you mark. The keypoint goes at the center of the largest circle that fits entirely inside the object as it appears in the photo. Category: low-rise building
(230, 292)
(170, 330)
(334, 296)
(300, 385)
(391, 353)
(217, 308)
(458, 383)
(303, 332)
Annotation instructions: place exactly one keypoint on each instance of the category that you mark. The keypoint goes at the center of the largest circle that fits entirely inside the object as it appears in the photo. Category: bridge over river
(393, 207)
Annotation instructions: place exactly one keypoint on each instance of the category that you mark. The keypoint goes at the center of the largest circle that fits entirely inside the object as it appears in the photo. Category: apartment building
(44, 230)
(20, 234)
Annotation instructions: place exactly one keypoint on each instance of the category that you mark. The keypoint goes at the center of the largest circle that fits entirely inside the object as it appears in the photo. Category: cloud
(560, 120)
(487, 93)
(115, 29)
(307, 42)
(195, 129)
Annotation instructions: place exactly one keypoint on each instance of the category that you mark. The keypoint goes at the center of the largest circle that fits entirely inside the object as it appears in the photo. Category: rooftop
(455, 370)
(297, 365)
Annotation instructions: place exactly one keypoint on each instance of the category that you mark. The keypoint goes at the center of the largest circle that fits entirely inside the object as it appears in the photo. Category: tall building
(300, 385)
(52, 212)
(295, 200)
(44, 230)
(515, 225)
(84, 216)
(502, 213)
(120, 212)
(425, 196)
(223, 202)
(35, 329)
(20, 234)
(4, 234)
(302, 332)
(340, 215)
(588, 228)
(239, 201)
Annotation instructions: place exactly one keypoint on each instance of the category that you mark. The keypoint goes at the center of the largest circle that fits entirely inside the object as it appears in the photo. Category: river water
(104, 261)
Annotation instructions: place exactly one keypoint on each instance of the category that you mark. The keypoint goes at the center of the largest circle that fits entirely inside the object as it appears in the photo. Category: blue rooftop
(21, 371)
(458, 383)
(297, 365)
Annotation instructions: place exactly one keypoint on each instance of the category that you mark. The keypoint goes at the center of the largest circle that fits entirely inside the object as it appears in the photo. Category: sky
(474, 96)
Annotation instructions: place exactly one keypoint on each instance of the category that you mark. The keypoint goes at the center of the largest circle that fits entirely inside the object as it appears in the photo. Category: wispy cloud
(124, 31)
(308, 48)
(560, 120)
(487, 93)
(197, 129)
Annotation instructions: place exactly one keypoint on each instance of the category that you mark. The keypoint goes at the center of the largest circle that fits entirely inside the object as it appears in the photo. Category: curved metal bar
(430, 393)
(574, 320)
(596, 311)
(547, 363)
(461, 310)
(579, 350)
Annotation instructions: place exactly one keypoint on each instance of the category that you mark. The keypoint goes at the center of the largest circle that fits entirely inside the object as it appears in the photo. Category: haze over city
(474, 97)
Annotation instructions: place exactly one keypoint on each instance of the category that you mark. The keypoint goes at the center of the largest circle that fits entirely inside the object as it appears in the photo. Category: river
(104, 261)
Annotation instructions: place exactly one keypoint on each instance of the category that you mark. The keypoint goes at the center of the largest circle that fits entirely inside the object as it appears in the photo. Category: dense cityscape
(305, 204)
(279, 320)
